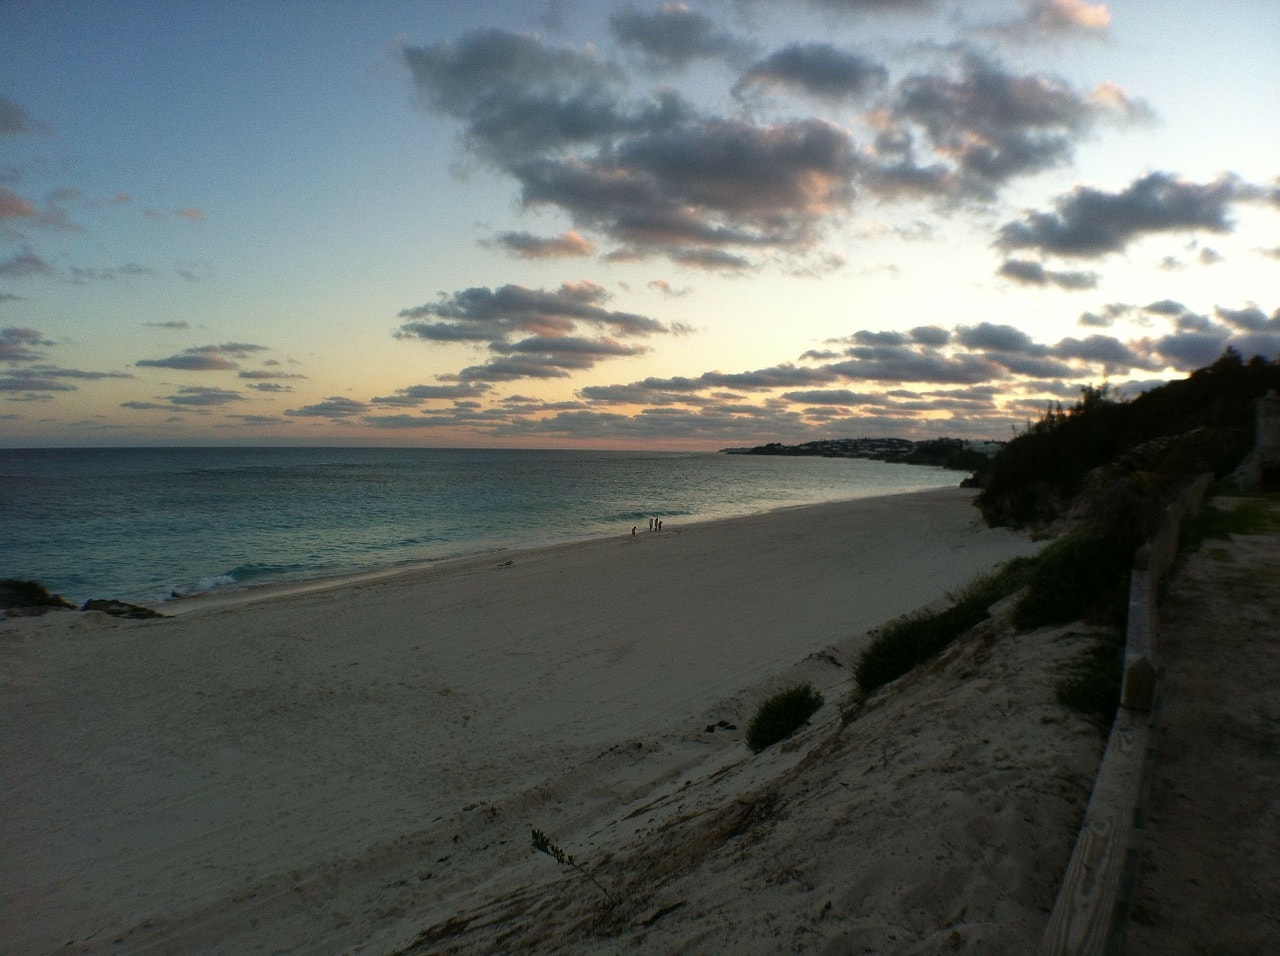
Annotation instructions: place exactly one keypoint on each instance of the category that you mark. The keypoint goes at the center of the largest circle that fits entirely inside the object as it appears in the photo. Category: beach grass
(913, 639)
(1090, 683)
(1081, 576)
(781, 715)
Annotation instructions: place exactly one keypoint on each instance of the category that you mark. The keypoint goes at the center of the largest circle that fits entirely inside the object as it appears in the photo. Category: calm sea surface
(142, 524)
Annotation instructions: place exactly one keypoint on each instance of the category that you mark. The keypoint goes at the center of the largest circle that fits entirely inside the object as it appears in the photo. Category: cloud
(18, 344)
(673, 35)
(569, 244)
(259, 373)
(14, 120)
(332, 408)
(1028, 272)
(1250, 319)
(172, 324)
(483, 314)
(518, 97)
(146, 406)
(205, 358)
(417, 394)
(1049, 19)
(271, 387)
(13, 206)
(713, 184)
(82, 275)
(992, 125)
(28, 380)
(199, 396)
(998, 338)
(820, 70)
(835, 396)
(23, 265)
(875, 6)
(190, 212)
(536, 333)
(1090, 223)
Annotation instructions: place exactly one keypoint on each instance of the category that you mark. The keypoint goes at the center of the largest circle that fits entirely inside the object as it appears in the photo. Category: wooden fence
(1092, 906)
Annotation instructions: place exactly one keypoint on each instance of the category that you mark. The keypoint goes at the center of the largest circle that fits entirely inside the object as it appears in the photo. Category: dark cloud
(998, 338)
(274, 387)
(930, 335)
(333, 407)
(81, 275)
(30, 380)
(1089, 223)
(715, 259)
(205, 358)
(268, 374)
(818, 69)
(201, 397)
(482, 314)
(835, 396)
(18, 344)
(535, 332)
(176, 324)
(1187, 351)
(1165, 307)
(906, 365)
(146, 406)
(674, 35)
(1029, 272)
(23, 265)
(14, 119)
(528, 246)
(993, 125)
(416, 394)
(714, 184)
(1104, 350)
(1250, 319)
(519, 97)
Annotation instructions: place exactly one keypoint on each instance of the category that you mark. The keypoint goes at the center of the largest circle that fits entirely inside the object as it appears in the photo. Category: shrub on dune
(782, 715)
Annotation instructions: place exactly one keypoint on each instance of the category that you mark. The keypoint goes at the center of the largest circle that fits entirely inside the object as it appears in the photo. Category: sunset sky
(622, 225)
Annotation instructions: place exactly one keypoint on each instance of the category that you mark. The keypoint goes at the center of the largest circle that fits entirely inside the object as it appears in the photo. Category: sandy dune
(350, 766)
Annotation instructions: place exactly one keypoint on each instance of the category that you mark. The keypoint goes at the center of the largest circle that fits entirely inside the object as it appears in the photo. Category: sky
(562, 223)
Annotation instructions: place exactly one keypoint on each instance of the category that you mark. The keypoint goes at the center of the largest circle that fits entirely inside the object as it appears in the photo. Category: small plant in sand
(782, 715)
(542, 844)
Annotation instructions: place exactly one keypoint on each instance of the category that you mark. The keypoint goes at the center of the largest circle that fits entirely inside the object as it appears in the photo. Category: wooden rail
(1092, 906)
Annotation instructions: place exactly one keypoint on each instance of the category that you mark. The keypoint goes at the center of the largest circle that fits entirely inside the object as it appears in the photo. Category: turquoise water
(143, 524)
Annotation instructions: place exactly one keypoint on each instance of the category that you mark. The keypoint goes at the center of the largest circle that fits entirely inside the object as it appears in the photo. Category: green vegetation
(1081, 576)
(1253, 515)
(913, 639)
(1037, 475)
(542, 844)
(1092, 680)
(782, 715)
(28, 595)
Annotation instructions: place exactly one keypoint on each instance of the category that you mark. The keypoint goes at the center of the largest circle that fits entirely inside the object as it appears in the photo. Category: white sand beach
(357, 767)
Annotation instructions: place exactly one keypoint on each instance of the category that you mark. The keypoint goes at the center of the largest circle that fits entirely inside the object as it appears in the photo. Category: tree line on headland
(954, 453)
(1123, 455)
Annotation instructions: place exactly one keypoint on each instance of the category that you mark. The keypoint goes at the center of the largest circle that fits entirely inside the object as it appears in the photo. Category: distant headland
(956, 453)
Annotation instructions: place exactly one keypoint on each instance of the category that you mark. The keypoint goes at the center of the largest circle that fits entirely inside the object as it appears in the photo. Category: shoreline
(247, 767)
(233, 595)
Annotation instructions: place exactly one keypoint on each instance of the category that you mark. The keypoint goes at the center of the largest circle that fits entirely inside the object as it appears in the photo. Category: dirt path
(1210, 876)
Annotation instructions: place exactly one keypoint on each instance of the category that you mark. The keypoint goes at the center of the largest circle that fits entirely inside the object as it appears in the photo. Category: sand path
(1210, 882)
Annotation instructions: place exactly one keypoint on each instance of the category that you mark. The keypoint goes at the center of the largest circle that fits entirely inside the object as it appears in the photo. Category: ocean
(147, 524)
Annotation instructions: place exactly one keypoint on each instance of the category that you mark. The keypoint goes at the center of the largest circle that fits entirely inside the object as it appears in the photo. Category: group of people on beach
(655, 524)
